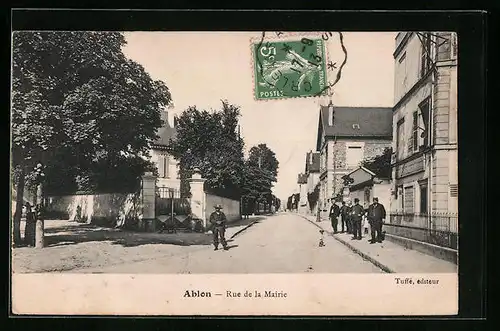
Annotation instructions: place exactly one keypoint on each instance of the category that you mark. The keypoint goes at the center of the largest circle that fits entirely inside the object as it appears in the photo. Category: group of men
(351, 217)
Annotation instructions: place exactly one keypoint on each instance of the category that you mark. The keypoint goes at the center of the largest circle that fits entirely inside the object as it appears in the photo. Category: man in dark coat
(334, 215)
(357, 213)
(376, 215)
(218, 221)
(344, 211)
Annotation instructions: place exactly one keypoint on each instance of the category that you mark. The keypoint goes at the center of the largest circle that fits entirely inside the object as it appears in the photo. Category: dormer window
(355, 126)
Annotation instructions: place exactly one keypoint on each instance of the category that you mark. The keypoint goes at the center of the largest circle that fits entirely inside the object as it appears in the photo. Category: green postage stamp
(287, 69)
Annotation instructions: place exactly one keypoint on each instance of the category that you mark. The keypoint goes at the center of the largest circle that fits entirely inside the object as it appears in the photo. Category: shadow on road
(245, 221)
(76, 233)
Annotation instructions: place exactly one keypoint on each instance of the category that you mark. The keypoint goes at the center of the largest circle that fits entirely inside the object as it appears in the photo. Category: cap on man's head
(375, 199)
(356, 200)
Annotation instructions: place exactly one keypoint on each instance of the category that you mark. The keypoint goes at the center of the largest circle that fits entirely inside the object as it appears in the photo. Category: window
(408, 200)
(414, 135)
(163, 166)
(425, 109)
(354, 156)
(425, 60)
(423, 197)
(399, 139)
(166, 164)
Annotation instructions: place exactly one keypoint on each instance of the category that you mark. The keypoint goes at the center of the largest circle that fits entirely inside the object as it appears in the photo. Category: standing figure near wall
(218, 221)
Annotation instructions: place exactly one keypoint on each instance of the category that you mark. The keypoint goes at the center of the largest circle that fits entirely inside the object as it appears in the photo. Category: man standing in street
(334, 215)
(376, 215)
(343, 218)
(357, 213)
(218, 221)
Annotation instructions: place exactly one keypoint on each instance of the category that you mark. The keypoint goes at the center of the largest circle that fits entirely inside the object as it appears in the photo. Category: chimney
(310, 157)
(175, 121)
(331, 113)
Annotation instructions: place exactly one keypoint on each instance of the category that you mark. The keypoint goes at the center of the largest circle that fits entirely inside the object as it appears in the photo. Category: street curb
(367, 257)
(241, 230)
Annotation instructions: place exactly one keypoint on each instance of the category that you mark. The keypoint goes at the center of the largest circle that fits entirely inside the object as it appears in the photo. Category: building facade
(168, 171)
(424, 159)
(366, 185)
(347, 136)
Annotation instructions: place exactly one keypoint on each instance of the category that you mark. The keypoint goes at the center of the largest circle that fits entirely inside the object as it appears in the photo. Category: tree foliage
(82, 110)
(380, 164)
(259, 176)
(208, 140)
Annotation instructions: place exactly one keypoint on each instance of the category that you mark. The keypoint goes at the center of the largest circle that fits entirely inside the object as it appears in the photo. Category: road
(282, 243)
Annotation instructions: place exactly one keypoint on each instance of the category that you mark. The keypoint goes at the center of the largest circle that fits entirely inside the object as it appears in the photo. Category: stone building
(168, 171)
(346, 136)
(424, 159)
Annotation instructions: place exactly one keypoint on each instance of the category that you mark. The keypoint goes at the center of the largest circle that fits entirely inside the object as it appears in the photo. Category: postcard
(159, 173)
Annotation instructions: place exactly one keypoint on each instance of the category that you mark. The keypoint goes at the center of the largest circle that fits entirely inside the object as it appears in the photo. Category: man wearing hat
(334, 214)
(357, 213)
(218, 221)
(376, 215)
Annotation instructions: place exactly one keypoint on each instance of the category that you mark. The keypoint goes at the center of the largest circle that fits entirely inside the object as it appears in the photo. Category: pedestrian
(29, 228)
(334, 214)
(344, 210)
(376, 216)
(357, 213)
(349, 217)
(218, 221)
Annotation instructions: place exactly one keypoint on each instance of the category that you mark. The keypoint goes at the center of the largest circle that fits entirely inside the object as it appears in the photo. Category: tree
(380, 164)
(210, 141)
(81, 111)
(259, 176)
(263, 157)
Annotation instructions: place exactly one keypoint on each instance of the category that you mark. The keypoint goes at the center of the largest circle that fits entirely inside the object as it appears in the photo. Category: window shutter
(410, 144)
(161, 169)
(454, 190)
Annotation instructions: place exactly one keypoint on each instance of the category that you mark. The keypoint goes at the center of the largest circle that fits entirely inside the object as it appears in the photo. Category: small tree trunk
(19, 209)
(39, 227)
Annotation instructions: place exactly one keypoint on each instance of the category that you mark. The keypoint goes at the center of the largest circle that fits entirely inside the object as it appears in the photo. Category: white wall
(101, 206)
(231, 208)
(172, 178)
(407, 72)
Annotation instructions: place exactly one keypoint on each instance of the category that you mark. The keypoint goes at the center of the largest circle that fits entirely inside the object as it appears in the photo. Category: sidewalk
(389, 256)
(71, 246)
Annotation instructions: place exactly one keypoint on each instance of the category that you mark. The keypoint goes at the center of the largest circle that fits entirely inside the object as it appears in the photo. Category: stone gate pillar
(148, 194)
(198, 204)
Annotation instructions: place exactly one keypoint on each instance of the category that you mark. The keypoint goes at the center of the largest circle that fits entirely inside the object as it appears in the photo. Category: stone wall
(103, 209)
(231, 208)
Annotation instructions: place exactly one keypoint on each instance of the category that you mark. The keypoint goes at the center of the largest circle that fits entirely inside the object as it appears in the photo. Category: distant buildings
(302, 182)
(425, 123)
(346, 136)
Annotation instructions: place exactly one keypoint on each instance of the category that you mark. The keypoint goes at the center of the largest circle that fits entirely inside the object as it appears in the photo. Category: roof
(312, 165)
(363, 177)
(165, 132)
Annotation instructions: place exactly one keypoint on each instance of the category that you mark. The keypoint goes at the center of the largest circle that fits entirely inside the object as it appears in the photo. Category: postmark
(289, 68)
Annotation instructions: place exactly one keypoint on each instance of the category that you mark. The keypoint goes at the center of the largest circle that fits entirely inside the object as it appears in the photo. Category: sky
(202, 68)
